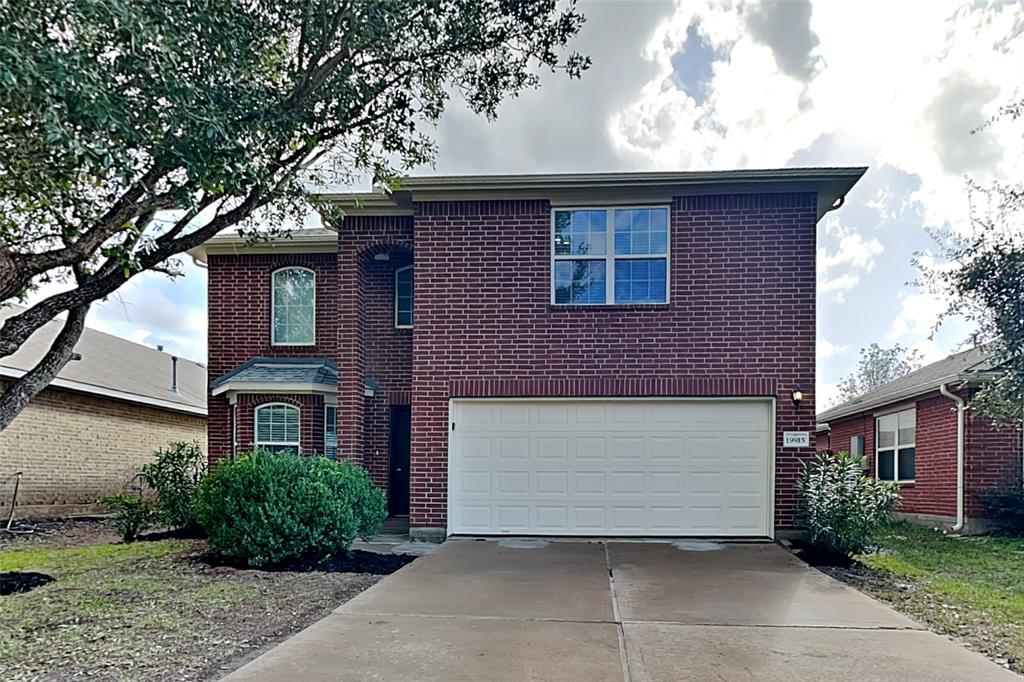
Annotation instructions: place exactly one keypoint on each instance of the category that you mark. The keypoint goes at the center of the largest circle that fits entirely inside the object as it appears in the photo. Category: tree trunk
(22, 390)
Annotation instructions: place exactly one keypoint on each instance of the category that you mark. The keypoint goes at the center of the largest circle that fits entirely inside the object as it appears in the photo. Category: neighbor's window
(614, 255)
(277, 427)
(293, 303)
(895, 447)
(403, 297)
(331, 431)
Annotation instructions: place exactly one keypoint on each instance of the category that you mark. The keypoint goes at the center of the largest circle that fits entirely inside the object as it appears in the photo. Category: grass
(972, 587)
(115, 592)
(151, 610)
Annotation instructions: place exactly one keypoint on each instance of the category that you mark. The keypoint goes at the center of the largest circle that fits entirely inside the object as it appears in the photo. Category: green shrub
(132, 514)
(264, 508)
(175, 475)
(1004, 509)
(843, 508)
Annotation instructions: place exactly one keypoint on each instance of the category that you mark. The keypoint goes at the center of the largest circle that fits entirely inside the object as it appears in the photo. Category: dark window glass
(886, 466)
(906, 463)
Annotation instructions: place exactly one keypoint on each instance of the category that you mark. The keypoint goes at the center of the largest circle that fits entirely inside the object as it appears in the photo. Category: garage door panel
(610, 468)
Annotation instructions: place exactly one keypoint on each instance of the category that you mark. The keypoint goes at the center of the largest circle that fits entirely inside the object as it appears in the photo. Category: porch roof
(279, 375)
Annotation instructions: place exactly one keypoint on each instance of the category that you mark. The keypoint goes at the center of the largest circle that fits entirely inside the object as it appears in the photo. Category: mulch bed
(17, 582)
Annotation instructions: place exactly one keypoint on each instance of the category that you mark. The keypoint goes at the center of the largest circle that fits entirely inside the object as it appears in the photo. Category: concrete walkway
(614, 611)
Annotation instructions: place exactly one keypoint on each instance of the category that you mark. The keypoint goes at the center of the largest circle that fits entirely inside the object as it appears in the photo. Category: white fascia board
(271, 387)
(112, 393)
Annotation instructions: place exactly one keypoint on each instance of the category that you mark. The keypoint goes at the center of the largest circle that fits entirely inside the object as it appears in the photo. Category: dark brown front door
(398, 473)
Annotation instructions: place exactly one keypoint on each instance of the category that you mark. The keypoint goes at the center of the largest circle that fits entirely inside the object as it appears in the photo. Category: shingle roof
(313, 371)
(956, 368)
(113, 367)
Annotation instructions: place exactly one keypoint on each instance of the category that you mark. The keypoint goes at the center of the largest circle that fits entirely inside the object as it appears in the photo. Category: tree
(133, 131)
(877, 367)
(981, 274)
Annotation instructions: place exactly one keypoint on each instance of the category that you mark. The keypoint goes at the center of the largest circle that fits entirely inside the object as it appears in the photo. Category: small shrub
(132, 514)
(1004, 509)
(175, 475)
(844, 509)
(264, 508)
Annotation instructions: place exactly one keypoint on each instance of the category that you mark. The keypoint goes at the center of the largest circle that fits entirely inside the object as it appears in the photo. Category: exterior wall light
(797, 396)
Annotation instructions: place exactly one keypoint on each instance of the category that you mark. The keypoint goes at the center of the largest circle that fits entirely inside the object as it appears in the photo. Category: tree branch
(14, 399)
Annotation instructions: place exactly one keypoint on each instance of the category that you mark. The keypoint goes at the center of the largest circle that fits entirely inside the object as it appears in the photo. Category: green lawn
(972, 587)
(150, 610)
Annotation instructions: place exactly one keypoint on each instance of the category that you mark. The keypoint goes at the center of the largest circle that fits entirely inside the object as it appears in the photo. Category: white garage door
(607, 467)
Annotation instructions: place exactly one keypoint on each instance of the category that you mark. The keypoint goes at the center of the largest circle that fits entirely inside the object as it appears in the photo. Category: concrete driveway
(614, 611)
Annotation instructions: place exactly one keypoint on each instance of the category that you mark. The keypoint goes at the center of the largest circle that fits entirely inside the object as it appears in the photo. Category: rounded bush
(263, 508)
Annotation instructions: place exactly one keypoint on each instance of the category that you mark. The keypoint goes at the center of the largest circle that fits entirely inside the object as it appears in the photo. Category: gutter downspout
(959, 455)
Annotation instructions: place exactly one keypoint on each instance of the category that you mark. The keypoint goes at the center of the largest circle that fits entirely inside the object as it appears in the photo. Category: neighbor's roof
(562, 189)
(113, 367)
(279, 374)
(961, 367)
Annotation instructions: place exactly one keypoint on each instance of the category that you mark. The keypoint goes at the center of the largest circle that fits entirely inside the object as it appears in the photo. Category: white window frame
(896, 447)
(273, 307)
(327, 453)
(610, 256)
(255, 427)
(413, 311)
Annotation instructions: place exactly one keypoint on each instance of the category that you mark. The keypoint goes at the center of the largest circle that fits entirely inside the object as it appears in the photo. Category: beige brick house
(90, 432)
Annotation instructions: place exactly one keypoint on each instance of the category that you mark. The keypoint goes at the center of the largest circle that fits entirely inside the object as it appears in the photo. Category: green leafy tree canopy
(132, 131)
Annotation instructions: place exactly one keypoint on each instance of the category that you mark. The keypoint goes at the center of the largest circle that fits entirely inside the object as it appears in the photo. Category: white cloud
(827, 349)
(918, 315)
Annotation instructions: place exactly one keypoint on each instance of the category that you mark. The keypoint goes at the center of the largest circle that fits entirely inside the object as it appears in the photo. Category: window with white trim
(602, 256)
(331, 431)
(403, 297)
(277, 427)
(293, 307)
(895, 447)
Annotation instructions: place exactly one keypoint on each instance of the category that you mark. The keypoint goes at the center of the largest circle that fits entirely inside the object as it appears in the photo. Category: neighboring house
(920, 432)
(89, 433)
(594, 354)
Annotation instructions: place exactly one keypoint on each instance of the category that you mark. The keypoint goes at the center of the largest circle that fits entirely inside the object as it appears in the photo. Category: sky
(722, 84)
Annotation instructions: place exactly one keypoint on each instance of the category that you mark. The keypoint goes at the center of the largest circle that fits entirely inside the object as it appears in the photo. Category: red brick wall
(369, 345)
(993, 460)
(934, 491)
(742, 307)
(238, 304)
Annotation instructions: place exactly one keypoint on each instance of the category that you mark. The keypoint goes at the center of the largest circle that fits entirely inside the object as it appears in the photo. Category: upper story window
(610, 255)
(895, 448)
(403, 297)
(277, 427)
(293, 307)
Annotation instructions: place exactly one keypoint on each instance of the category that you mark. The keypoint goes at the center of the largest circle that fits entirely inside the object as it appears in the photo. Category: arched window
(403, 297)
(277, 427)
(293, 307)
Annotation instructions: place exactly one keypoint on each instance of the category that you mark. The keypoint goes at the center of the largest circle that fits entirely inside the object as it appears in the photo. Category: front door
(398, 472)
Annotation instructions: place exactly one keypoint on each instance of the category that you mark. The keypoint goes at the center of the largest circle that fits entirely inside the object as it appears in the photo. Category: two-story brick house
(596, 354)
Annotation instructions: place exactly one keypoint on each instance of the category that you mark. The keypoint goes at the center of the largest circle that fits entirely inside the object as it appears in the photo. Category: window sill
(606, 306)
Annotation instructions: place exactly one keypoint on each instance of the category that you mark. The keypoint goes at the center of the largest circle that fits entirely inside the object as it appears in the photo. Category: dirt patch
(19, 582)
(57, 533)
